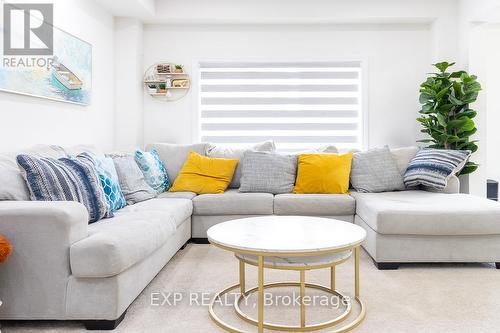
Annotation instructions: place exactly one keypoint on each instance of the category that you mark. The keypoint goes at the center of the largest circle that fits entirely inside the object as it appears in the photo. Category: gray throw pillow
(131, 179)
(375, 170)
(268, 172)
(237, 153)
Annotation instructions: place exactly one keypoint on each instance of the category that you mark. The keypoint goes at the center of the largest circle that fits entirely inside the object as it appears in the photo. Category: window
(299, 105)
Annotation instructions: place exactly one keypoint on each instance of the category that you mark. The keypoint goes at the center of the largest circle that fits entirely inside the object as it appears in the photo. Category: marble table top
(286, 234)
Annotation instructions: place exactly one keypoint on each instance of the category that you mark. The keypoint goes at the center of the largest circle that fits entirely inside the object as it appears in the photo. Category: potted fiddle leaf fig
(446, 115)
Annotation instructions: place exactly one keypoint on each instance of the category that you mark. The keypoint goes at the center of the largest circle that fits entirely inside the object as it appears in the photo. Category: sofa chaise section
(418, 226)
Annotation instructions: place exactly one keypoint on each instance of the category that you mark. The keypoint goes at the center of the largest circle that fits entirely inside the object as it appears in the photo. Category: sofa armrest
(36, 273)
(452, 187)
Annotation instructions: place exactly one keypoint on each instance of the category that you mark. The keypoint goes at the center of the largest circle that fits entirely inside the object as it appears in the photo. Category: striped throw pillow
(65, 179)
(433, 167)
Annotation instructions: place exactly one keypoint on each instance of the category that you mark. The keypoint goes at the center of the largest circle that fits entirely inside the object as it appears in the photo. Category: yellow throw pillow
(323, 173)
(201, 175)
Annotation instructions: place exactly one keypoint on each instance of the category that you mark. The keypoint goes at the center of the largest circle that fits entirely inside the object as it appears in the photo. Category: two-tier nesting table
(297, 243)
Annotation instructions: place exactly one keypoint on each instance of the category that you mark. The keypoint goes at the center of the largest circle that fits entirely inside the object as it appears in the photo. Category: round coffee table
(298, 243)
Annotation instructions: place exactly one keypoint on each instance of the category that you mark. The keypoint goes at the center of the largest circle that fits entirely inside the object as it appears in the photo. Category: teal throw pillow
(109, 182)
(153, 169)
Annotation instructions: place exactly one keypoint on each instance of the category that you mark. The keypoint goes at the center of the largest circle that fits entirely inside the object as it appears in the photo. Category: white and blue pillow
(65, 179)
(109, 181)
(433, 167)
(153, 169)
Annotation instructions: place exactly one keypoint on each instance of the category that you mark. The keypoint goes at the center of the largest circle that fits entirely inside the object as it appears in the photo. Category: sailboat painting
(65, 76)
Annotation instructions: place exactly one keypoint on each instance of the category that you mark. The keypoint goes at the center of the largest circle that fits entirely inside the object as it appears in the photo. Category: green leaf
(469, 168)
(468, 133)
(468, 113)
(457, 88)
(427, 107)
(454, 100)
(469, 124)
(456, 124)
(442, 66)
(424, 98)
(441, 119)
(456, 75)
(426, 140)
(445, 107)
(442, 92)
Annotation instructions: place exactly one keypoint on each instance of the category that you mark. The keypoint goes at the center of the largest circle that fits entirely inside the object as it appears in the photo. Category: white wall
(128, 96)
(484, 57)
(397, 57)
(25, 121)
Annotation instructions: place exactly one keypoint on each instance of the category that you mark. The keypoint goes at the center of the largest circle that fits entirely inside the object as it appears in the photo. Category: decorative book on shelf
(167, 81)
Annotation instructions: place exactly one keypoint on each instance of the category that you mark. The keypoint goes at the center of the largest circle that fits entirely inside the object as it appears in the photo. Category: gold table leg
(332, 278)
(242, 277)
(261, 295)
(259, 321)
(302, 302)
(356, 271)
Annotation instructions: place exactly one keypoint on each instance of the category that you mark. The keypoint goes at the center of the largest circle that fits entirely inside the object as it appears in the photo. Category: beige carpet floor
(416, 298)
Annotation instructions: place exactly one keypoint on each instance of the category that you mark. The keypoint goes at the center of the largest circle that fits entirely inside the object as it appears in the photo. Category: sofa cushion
(375, 171)
(323, 173)
(426, 213)
(132, 181)
(233, 202)
(84, 148)
(219, 151)
(13, 184)
(174, 155)
(203, 175)
(268, 172)
(403, 156)
(109, 181)
(66, 179)
(314, 204)
(177, 195)
(433, 167)
(136, 231)
(153, 169)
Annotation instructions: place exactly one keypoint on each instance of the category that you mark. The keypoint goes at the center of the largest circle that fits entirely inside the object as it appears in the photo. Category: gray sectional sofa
(63, 268)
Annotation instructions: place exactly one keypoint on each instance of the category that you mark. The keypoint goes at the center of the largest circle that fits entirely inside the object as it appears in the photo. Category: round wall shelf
(166, 81)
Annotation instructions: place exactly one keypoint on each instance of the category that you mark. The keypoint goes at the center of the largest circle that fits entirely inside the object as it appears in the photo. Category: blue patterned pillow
(153, 169)
(109, 181)
(433, 167)
(65, 179)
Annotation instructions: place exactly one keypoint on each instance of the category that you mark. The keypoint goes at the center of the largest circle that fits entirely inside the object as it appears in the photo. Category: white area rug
(416, 298)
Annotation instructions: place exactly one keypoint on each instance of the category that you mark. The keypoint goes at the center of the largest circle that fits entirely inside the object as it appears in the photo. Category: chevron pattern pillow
(433, 167)
(65, 179)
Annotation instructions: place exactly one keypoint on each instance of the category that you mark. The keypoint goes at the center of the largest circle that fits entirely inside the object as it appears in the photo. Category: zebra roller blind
(299, 105)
